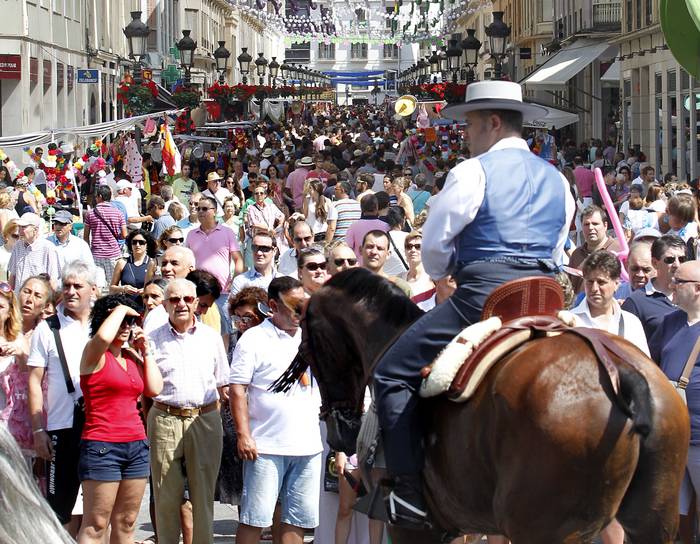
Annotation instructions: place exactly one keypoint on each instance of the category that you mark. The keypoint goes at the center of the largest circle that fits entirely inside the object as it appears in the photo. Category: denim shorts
(113, 461)
(294, 480)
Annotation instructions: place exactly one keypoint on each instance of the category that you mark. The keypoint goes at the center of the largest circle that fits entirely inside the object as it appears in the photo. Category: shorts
(113, 461)
(293, 480)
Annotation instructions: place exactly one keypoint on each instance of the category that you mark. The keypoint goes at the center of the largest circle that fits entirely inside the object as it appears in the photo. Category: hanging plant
(137, 99)
(186, 97)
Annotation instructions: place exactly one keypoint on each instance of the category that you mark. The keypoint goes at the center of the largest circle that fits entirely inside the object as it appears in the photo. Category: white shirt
(43, 354)
(132, 209)
(621, 322)
(280, 423)
(193, 364)
(156, 318)
(455, 207)
(74, 249)
(288, 263)
(220, 196)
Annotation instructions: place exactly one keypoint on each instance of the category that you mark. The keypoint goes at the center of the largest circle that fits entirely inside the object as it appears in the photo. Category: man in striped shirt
(104, 227)
(33, 254)
(348, 209)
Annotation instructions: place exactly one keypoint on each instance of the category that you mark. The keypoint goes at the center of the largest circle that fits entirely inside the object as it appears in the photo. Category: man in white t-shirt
(58, 441)
(279, 436)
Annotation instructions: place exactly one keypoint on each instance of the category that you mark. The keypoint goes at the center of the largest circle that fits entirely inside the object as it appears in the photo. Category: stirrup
(416, 517)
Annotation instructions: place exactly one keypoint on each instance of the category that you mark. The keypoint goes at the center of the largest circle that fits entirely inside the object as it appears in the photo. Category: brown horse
(542, 453)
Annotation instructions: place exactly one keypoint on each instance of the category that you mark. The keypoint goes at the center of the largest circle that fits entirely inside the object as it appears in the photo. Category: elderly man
(32, 254)
(216, 192)
(184, 424)
(483, 229)
(68, 247)
(595, 229)
(263, 272)
(654, 301)
(639, 269)
(104, 229)
(58, 441)
(279, 437)
(340, 257)
(302, 237)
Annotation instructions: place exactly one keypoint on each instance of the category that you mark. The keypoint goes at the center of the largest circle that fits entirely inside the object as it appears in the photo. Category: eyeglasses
(176, 300)
(176, 240)
(678, 281)
(260, 193)
(204, 210)
(409, 247)
(307, 239)
(245, 320)
(312, 267)
(672, 259)
(264, 249)
(138, 242)
(341, 262)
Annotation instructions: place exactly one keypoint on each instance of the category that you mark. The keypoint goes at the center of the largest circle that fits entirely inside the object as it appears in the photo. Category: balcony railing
(607, 14)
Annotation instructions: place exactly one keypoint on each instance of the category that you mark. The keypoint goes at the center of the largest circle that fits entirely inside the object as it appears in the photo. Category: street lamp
(244, 60)
(454, 55)
(136, 33)
(442, 54)
(274, 69)
(498, 33)
(471, 46)
(221, 55)
(261, 66)
(186, 46)
(284, 69)
(434, 61)
(420, 69)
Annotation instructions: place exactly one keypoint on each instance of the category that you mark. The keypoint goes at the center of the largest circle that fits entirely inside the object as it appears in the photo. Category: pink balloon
(615, 220)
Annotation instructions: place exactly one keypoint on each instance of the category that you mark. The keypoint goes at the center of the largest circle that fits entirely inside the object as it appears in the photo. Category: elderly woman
(114, 465)
(311, 266)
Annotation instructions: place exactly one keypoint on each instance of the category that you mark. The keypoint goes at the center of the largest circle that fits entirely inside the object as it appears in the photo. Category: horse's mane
(344, 317)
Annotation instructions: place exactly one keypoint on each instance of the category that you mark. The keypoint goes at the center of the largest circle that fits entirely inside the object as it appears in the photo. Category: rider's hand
(42, 445)
(247, 450)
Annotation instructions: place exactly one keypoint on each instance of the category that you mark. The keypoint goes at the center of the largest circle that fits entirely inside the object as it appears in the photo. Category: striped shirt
(193, 364)
(27, 260)
(349, 211)
(103, 243)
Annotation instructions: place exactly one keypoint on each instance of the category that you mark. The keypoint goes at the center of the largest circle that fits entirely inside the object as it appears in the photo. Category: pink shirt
(213, 252)
(585, 179)
(358, 230)
(295, 182)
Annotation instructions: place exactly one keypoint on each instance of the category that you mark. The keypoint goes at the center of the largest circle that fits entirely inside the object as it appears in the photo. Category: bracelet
(42, 430)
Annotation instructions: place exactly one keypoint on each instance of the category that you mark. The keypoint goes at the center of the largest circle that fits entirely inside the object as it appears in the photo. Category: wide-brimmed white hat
(493, 95)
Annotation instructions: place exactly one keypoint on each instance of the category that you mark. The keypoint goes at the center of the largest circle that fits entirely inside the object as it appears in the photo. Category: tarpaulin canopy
(365, 73)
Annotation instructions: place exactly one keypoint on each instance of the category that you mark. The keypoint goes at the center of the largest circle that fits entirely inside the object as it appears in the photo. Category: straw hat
(493, 95)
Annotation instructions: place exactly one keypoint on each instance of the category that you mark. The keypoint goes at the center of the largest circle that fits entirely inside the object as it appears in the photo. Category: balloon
(615, 220)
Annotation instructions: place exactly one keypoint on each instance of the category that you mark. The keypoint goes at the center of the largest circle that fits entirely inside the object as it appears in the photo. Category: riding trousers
(397, 375)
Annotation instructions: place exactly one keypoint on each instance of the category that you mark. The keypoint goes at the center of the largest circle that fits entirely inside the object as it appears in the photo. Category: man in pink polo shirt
(215, 248)
(295, 181)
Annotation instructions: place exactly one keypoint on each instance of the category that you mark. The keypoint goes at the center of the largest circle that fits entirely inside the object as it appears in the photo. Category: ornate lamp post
(261, 67)
(471, 46)
(442, 55)
(498, 33)
(284, 69)
(420, 69)
(186, 46)
(274, 69)
(434, 61)
(136, 33)
(244, 60)
(221, 55)
(454, 56)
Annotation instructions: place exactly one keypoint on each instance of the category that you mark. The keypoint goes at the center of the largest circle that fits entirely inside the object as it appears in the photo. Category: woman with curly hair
(130, 273)
(114, 465)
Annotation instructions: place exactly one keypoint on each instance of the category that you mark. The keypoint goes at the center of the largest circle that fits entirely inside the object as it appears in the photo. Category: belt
(186, 412)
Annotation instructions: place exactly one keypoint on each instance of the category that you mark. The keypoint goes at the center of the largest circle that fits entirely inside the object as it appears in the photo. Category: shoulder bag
(684, 380)
(403, 261)
(97, 214)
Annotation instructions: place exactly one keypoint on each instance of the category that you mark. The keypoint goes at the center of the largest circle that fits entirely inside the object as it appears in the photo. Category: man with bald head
(302, 237)
(184, 424)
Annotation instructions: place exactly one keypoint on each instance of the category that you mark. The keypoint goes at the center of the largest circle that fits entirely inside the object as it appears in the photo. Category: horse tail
(635, 399)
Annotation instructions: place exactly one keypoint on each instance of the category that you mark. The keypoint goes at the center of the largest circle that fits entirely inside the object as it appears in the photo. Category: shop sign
(10, 67)
(88, 76)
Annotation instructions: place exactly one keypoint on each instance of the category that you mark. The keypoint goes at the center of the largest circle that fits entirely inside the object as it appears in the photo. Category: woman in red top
(113, 463)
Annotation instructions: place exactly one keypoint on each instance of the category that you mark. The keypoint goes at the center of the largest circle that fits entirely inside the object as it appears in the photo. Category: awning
(566, 63)
(612, 74)
(553, 119)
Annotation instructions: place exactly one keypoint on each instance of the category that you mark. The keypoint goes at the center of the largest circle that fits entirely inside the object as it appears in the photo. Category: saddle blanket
(443, 370)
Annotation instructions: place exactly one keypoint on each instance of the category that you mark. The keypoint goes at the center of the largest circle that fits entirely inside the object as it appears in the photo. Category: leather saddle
(528, 308)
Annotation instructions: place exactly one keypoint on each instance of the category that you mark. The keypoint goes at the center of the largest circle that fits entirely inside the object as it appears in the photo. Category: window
(358, 51)
(628, 15)
(391, 51)
(649, 13)
(389, 20)
(638, 15)
(326, 51)
(671, 83)
(356, 87)
(547, 10)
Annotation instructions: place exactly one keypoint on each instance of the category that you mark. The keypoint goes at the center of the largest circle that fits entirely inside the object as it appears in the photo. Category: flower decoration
(186, 97)
(137, 99)
(184, 123)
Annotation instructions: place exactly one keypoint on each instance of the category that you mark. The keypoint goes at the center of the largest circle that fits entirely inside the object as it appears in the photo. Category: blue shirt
(419, 198)
(650, 306)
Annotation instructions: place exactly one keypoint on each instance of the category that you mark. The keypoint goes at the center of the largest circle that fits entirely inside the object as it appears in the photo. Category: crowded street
(433, 276)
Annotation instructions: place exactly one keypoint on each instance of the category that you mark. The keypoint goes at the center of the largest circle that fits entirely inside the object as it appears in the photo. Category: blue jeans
(293, 480)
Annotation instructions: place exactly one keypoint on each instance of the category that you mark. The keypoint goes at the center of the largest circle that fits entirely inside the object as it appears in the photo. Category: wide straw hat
(493, 95)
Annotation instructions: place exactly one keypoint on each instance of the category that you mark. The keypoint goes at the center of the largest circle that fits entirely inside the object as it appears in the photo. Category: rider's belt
(186, 412)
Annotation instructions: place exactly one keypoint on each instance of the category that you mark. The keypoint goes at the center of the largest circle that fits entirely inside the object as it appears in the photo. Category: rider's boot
(406, 504)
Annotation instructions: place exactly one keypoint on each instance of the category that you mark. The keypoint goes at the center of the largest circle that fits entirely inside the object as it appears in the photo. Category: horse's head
(346, 325)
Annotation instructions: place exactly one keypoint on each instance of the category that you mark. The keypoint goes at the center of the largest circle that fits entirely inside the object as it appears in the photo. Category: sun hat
(647, 232)
(213, 176)
(493, 95)
(124, 184)
(63, 216)
(306, 161)
(28, 219)
(267, 153)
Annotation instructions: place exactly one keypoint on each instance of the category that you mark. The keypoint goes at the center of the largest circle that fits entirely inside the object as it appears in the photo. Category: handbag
(330, 474)
(79, 404)
(684, 380)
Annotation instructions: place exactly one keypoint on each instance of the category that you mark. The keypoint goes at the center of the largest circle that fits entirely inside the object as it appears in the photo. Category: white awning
(612, 74)
(566, 63)
(554, 118)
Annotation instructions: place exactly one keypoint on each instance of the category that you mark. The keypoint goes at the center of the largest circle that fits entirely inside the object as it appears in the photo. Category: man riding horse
(503, 214)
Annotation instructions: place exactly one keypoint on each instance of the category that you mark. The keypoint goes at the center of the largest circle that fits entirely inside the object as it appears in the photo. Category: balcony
(607, 16)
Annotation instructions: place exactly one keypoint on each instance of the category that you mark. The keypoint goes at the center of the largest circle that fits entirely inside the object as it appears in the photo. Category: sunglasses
(129, 320)
(341, 262)
(264, 249)
(204, 210)
(176, 240)
(409, 247)
(138, 242)
(189, 299)
(245, 320)
(672, 259)
(312, 267)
